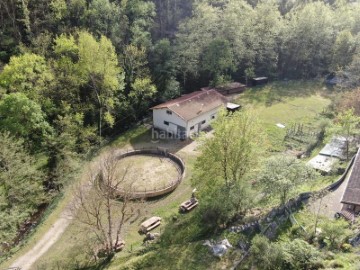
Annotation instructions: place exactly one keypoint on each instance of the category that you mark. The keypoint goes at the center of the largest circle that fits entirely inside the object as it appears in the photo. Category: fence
(162, 152)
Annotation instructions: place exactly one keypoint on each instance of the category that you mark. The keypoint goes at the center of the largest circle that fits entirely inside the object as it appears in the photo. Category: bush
(346, 247)
(300, 254)
(266, 255)
(335, 232)
(336, 264)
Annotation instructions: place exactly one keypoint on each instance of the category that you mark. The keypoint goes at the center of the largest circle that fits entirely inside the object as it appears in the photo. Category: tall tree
(100, 71)
(218, 61)
(97, 208)
(343, 50)
(307, 40)
(226, 159)
(108, 18)
(29, 74)
(163, 68)
(193, 36)
(141, 16)
(24, 118)
(21, 190)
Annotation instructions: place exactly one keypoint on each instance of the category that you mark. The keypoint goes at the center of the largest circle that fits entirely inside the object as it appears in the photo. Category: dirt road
(28, 259)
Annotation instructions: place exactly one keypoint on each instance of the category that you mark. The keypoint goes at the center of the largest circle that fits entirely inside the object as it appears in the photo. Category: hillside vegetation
(78, 75)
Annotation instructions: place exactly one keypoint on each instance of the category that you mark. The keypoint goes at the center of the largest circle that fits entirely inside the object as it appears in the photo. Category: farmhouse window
(166, 123)
(191, 128)
(168, 112)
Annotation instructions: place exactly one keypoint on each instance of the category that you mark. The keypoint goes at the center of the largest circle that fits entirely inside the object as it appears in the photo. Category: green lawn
(291, 104)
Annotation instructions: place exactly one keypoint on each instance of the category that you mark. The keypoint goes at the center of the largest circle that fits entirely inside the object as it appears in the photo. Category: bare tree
(97, 208)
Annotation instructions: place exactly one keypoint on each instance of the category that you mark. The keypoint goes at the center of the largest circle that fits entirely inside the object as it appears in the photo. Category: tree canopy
(221, 171)
(21, 189)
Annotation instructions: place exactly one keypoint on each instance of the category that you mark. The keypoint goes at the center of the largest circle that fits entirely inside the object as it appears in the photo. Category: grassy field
(292, 104)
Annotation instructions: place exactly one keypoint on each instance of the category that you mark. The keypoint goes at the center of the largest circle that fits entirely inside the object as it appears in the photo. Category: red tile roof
(194, 104)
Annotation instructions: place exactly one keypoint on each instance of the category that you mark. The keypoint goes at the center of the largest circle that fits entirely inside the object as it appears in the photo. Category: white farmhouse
(188, 114)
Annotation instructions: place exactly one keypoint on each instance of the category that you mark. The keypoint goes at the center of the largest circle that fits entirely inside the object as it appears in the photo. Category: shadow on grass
(103, 264)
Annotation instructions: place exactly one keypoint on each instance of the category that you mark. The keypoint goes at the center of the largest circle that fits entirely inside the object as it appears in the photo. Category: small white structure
(188, 114)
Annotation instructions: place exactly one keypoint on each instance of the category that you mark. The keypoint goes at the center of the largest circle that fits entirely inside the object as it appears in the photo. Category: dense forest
(75, 72)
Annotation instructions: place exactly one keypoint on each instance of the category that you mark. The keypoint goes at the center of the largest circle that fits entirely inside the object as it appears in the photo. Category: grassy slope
(284, 103)
(71, 249)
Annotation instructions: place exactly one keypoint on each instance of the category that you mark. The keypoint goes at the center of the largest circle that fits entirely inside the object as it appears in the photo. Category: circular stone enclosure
(147, 173)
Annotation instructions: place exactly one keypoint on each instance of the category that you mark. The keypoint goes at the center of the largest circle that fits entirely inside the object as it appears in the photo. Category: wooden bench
(149, 224)
(188, 205)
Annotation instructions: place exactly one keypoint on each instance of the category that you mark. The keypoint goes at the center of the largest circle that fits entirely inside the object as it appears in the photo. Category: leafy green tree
(134, 63)
(307, 40)
(193, 36)
(222, 168)
(218, 61)
(100, 71)
(71, 139)
(343, 50)
(282, 175)
(352, 72)
(28, 74)
(89, 80)
(108, 18)
(237, 27)
(139, 86)
(164, 70)
(169, 14)
(24, 118)
(76, 13)
(10, 34)
(141, 16)
(21, 190)
(142, 91)
(266, 40)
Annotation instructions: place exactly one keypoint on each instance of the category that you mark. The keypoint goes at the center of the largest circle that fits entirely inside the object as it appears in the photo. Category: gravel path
(57, 229)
